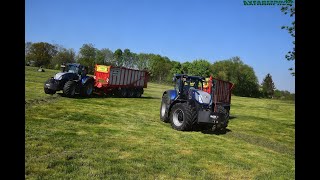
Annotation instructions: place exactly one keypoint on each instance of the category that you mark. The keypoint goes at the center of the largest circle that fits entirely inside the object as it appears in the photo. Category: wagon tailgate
(222, 91)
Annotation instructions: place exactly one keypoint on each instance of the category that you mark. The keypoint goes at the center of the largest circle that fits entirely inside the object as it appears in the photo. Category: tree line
(161, 68)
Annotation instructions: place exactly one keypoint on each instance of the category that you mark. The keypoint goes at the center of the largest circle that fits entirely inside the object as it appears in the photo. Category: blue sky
(182, 30)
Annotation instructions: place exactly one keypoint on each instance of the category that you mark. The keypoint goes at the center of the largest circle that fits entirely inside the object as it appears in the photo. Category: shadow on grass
(216, 132)
(148, 97)
(205, 129)
(78, 96)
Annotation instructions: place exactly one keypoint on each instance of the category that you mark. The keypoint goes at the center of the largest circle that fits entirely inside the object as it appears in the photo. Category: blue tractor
(188, 106)
(73, 79)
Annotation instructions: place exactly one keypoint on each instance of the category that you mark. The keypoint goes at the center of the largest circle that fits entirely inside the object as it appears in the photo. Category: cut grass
(123, 138)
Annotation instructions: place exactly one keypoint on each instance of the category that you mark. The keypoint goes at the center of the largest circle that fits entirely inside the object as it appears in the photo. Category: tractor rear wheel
(87, 89)
(163, 109)
(225, 116)
(69, 88)
(223, 119)
(182, 116)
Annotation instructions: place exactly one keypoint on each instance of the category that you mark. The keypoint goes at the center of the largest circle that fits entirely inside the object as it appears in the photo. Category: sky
(182, 30)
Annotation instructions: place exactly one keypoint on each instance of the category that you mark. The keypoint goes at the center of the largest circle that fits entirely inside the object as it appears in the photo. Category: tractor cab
(183, 83)
(75, 68)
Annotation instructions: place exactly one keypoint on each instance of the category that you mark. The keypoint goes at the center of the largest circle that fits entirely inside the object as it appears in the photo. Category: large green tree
(268, 86)
(159, 68)
(143, 61)
(63, 56)
(186, 66)
(199, 67)
(118, 57)
(129, 58)
(41, 53)
(242, 75)
(176, 68)
(290, 9)
(104, 56)
(87, 55)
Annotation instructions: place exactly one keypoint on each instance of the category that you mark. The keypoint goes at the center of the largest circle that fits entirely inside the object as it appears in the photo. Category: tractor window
(177, 86)
(195, 84)
(200, 85)
(74, 69)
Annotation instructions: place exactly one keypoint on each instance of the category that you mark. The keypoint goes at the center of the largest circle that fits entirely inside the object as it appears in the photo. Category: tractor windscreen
(194, 83)
(189, 82)
(72, 68)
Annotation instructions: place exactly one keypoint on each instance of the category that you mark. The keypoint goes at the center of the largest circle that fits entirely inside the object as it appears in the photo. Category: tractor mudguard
(86, 79)
(172, 94)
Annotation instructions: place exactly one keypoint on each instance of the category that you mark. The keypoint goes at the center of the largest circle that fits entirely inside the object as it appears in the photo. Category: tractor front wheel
(49, 91)
(69, 89)
(182, 116)
(163, 109)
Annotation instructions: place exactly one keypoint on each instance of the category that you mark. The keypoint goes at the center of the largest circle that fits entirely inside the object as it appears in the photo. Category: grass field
(123, 138)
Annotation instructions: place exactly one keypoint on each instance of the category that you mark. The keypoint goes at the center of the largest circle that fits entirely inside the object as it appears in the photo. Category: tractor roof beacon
(189, 105)
(73, 79)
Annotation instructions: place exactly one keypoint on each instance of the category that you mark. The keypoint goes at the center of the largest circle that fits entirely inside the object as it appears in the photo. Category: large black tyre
(123, 92)
(49, 91)
(163, 109)
(69, 88)
(182, 116)
(87, 89)
(224, 115)
(130, 93)
(46, 89)
(138, 93)
(223, 119)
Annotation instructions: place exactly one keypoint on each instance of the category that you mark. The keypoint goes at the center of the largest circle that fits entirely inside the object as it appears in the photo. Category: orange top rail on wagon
(120, 81)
